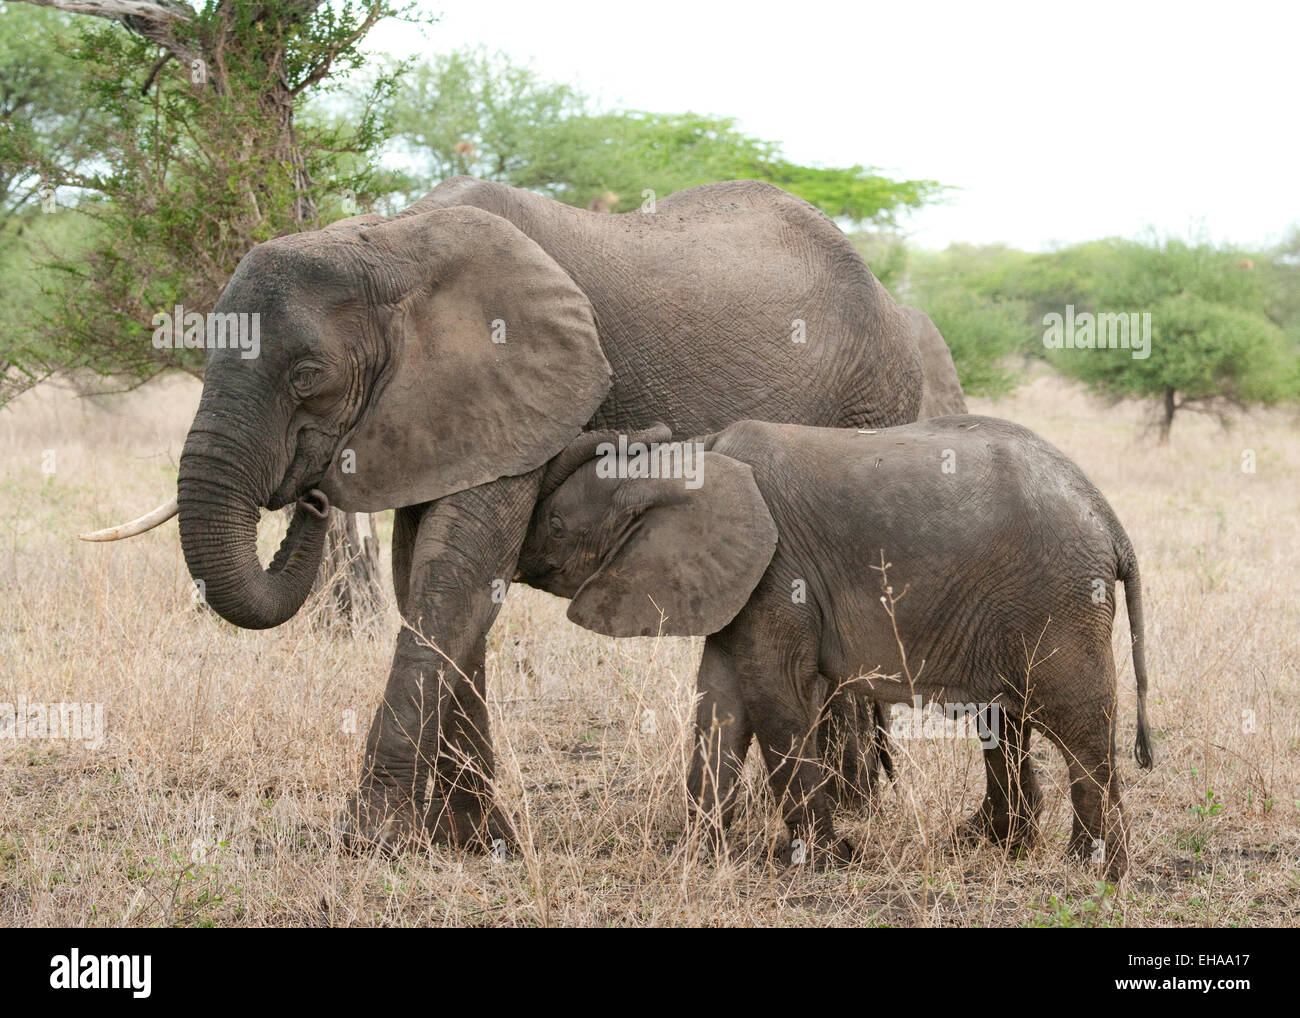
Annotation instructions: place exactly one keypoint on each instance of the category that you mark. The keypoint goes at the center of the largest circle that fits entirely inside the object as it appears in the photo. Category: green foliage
(468, 112)
(1225, 324)
(474, 113)
(963, 291)
(854, 193)
(638, 156)
(32, 241)
(38, 104)
(1279, 275)
(192, 168)
(1200, 349)
(1071, 913)
(38, 109)
(1212, 344)
(982, 335)
(1197, 837)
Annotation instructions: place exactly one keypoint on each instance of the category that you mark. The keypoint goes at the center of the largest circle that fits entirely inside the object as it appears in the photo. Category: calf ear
(687, 559)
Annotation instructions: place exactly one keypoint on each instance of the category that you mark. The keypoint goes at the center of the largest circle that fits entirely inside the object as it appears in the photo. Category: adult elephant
(432, 363)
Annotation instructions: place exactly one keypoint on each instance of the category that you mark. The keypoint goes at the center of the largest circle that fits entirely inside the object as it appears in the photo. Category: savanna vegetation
(139, 164)
(171, 155)
(214, 798)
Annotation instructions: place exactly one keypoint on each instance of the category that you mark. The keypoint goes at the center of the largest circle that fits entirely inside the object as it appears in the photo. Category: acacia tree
(204, 144)
(1204, 356)
(474, 112)
(1212, 347)
(1224, 324)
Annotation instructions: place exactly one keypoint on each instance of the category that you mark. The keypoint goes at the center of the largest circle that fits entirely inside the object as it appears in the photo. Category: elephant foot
(821, 855)
(1109, 856)
(1015, 834)
(382, 819)
(848, 791)
(468, 826)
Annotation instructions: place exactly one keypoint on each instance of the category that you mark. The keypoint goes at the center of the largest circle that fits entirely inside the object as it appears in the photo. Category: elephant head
(648, 555)
(400, 361)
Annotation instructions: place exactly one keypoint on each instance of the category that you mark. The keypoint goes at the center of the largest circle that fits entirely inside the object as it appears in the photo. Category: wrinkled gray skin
(434, 362)
(854, 762)
(1002, 559)
(941, 393)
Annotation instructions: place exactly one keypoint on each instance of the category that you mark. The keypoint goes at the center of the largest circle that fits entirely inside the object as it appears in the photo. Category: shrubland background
(130, 187)
(157, 185)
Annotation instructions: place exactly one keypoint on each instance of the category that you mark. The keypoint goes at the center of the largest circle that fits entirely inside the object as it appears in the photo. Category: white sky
(1060, 122)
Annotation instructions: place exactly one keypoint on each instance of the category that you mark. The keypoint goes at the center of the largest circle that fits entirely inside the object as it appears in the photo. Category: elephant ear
(493, 362)
(693, 554)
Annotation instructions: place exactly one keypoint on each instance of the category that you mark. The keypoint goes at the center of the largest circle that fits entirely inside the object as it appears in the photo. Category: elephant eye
(557, 526)
(305, 377)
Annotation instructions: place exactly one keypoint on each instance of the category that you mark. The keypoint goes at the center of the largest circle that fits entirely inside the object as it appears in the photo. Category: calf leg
(1012, 799)
(784, 699)
(1099, 832)
(855, 747)
(722, 736)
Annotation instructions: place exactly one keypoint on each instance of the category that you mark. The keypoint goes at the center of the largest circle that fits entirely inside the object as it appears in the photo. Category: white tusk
(138, 526)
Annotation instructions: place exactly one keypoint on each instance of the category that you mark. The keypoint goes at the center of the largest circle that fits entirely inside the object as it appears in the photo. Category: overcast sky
(1059, 122)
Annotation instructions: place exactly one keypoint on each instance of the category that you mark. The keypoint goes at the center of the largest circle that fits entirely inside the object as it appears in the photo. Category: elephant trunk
(218, 508)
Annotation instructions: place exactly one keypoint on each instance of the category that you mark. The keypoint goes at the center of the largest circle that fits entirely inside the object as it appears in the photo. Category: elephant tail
(1128, 573)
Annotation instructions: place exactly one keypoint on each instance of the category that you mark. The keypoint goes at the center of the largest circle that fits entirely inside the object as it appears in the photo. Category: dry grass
(228, 752)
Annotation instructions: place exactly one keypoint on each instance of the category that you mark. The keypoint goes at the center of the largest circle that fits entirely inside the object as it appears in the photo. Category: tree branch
(151, 19)
(378, 10)
(151, 10)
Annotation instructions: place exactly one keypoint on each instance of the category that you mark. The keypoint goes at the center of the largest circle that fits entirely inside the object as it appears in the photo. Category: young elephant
(964, 557)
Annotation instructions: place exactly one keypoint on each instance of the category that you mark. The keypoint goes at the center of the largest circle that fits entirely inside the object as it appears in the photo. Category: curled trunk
(218, 526)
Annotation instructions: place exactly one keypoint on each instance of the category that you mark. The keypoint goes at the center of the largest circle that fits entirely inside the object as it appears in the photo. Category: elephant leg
(1100, 831)
(434, 716)
(460, 810)
(406, 525)
(855, 747)
(884, 743)
(1012, 799)
(784, 696)
(845, 750)
(462, 718)
(722, 736)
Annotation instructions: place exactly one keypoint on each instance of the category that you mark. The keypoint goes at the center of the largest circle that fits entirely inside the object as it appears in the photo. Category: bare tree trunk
(1170, 409)
(350, 567)
(349, 570)
(280, 101)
